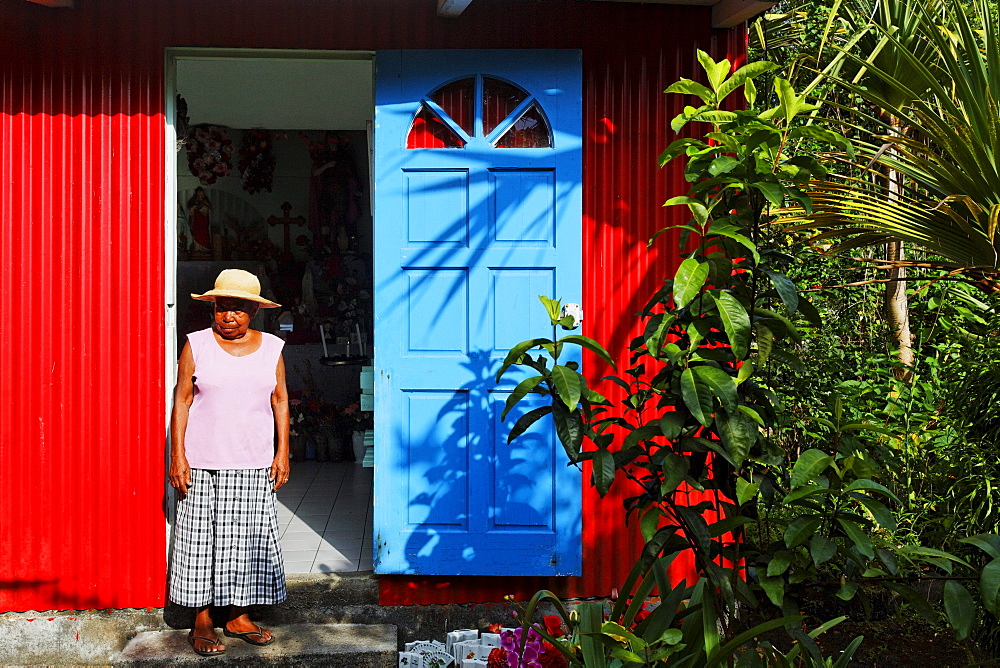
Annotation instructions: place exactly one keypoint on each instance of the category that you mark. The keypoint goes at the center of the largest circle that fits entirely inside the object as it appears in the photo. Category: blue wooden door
(477, 212)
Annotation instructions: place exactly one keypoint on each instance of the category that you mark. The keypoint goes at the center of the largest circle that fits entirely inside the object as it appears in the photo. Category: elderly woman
(229, 402)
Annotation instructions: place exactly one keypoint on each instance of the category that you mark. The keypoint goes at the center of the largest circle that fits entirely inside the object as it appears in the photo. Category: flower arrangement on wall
(209, 151)
(257, 161)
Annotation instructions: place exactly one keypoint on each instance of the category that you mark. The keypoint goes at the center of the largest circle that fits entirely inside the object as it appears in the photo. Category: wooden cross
(287, 221)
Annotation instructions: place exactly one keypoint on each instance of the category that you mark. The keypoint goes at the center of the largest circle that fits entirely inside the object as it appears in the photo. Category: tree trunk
(897, 313)
(897, 307)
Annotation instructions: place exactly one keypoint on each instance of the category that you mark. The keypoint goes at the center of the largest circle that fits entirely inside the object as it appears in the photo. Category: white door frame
(171, 56)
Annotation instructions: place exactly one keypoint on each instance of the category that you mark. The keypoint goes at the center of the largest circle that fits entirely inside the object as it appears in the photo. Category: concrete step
(333, 645)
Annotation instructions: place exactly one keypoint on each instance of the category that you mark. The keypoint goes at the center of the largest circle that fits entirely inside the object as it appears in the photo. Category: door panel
(469, 230)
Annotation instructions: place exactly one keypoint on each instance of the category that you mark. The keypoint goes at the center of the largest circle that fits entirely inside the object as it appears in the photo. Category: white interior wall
(309, 93)
(290, 96)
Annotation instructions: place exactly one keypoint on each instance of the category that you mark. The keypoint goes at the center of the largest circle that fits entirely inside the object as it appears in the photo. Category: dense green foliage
(763, 381)
(792, 497)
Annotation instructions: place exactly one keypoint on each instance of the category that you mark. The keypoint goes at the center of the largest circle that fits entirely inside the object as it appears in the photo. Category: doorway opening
(272, 174)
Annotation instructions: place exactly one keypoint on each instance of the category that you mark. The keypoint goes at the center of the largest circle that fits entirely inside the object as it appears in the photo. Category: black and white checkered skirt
(226, 544)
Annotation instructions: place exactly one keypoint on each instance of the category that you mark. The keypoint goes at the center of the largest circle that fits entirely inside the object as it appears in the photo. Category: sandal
(245, 636)
(203, 652)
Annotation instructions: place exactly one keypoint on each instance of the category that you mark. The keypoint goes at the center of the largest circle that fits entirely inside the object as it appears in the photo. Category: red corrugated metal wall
(82, 270)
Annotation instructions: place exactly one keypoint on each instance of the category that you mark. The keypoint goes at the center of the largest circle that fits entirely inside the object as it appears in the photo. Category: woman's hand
(279, 471)
(180, 475)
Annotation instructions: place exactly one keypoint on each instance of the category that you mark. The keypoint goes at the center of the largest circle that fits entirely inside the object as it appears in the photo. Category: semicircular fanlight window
(500, 99)
(510, 116)
(429, 131)
(458, 100)
(530, 130)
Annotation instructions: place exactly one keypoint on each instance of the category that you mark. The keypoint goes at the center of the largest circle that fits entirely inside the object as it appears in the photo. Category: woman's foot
(205, 642)
(241, 627)
(203, 638)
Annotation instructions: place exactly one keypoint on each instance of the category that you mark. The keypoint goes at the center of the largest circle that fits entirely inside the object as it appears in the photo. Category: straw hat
(237, 284)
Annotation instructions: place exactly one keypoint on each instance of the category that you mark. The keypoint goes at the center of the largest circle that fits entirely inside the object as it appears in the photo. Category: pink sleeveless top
(231, 425)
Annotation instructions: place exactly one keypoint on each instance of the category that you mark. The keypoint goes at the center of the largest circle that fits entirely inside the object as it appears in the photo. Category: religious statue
(334, 191)
(200, 220)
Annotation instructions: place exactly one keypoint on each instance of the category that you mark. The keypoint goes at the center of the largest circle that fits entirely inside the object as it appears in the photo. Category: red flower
(553, 625)
(551, 657)
(497, 658)
(495, 628)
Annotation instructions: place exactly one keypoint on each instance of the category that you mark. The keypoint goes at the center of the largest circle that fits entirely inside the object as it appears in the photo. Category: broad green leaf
(920, 551)
(736, 322)
(745, 491)
(917, 600)
(754, 415)
(727, 525)
(821, 549)
(789, 104)
(786, 289)
(675, 469)
(553, 307)
(526, 421)
(990, 544)
(721, 383)
(809, 312)
(656, 331)
(989, 586)
(960, 607)
(741, 239)
(881, 514)
(671, 424)
(643, 433)
(680, 199)
(738, 433)
(804, 491)
(772, 191)
(745, 371)
(676, 148)
(625, 655)
(750, 92)
(774, 588)
(591, 345)
(809, 466)
(800, 529)
(864, 483)
(847, 591)
(689, 87)
(568, 385)
(671, 637)
(681, 119)
(779, 563)
(697, 396)
(591, 617)
(714, 116)
(765, 342)
(722, 164)
(569, 429)
(716, 71)
(649, 523)
(516, 352)
(519, 392)
(725, 653)
(817, 133)
(862, 541)
(688, 281)
(744, 76)
(604, 470)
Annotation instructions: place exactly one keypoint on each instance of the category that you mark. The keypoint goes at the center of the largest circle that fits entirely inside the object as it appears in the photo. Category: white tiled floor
(325, 518)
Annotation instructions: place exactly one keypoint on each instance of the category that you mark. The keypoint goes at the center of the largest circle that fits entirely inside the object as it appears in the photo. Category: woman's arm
(279, 406)
(180, 472)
